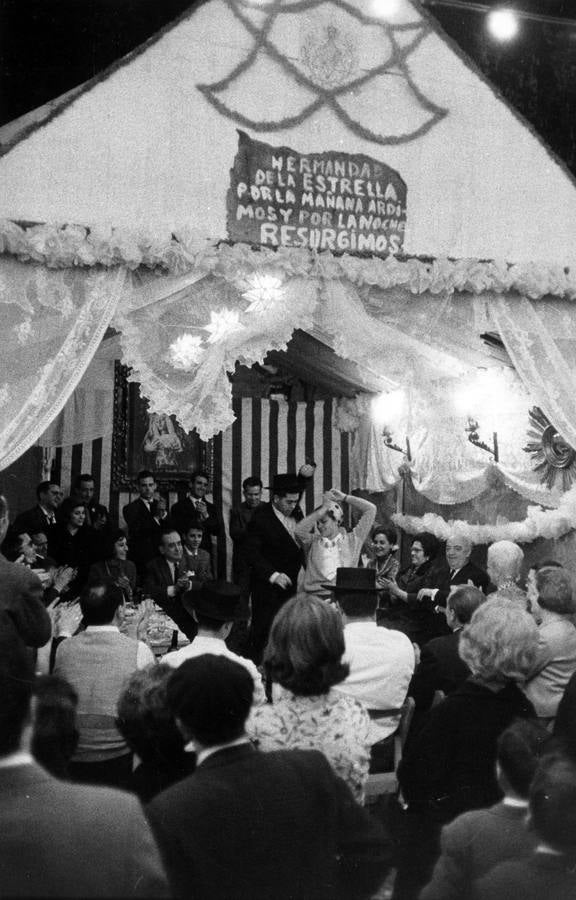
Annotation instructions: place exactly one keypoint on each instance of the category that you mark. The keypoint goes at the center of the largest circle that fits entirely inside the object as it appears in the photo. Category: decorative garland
(57, 246)
(539, 523)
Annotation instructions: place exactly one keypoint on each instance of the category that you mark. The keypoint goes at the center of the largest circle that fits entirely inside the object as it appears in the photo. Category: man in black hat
(274, 557)
(253, 825)
(381, 660)
(215, 607)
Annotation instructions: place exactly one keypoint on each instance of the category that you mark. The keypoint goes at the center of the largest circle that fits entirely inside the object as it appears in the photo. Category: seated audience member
(531, 589)
(96, 663)
(40, 543)
(304, 656)
(165, 582)
(477, 841)
(250, 825)
(240, 516)
(448, 766)
(42, 516)
(441, 668)
(503, 566)
(405, 613)
(215, 607)
(116, 565)
(145, 721)
(384, 562)
(55, 735)
(61, 839)
(327, 545)
(380, 661)
(195, 563)
(73, 543)
(556, 660)
(459, 570)
(451, 762)
(550, 871)
(21, 597)
(142, 517)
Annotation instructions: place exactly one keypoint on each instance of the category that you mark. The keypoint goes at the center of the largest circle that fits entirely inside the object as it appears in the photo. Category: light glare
(503, 24)
(386, 9)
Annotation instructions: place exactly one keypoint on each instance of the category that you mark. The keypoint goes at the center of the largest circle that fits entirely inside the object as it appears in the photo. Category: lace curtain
(52, 324)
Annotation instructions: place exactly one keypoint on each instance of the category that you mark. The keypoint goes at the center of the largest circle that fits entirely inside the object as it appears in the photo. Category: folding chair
(387, 782)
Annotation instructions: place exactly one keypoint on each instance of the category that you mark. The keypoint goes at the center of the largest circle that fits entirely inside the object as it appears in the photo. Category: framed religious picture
(155, 441)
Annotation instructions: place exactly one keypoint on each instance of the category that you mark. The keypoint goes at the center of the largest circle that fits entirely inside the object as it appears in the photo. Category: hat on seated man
(215, 606)
(381, 660)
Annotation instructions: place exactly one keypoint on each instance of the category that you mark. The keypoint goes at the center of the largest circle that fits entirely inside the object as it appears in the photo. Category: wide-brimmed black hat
(218, 600)
(289, 483)
(353, 581)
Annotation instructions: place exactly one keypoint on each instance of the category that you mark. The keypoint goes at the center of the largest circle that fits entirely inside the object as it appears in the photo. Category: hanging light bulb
(503, 24)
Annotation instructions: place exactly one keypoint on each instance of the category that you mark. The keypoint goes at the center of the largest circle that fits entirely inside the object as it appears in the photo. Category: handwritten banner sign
(323, 201)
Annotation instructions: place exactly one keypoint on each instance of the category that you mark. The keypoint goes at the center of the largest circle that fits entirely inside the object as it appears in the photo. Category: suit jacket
(144, 532)
(240, 516)
(68, 840)
(31, 521)
(469, 572)
(473, 844)
(183, 512)
(269, 548)
(542, 875)
(21, 604)
(157, 580)
(254, 826)
(440, 669)
(450, 763)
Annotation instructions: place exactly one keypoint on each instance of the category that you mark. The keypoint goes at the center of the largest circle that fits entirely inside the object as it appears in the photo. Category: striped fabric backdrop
(267, 437)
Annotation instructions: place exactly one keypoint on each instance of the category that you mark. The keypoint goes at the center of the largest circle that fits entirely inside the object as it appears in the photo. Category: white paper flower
(265, 292)
(222, 324)
(23, 331)
(186, 352)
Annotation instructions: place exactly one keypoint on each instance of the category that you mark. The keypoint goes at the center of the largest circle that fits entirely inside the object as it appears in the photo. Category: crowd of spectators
(232, 758)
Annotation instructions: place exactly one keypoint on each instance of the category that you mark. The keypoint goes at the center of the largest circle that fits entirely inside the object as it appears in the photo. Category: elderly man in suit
(165, 581)
(274, 557)
(461, 570)
(21, 597)
(61, 839)
(253, 825)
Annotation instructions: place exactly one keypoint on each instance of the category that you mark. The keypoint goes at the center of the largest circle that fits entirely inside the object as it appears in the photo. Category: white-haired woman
(503, 565)
(449, 767)
(327, 545)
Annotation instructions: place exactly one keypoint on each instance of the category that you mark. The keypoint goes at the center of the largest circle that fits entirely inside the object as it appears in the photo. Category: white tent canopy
(152, 184)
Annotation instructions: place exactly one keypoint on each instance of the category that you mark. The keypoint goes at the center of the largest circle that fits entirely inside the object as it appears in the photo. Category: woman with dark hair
(148, 726)
(116, 564)
(425, 570)
(383, 547)
(304, 658)
(71, 542)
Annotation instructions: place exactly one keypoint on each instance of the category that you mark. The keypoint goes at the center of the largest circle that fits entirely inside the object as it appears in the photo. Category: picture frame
(154, 441)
